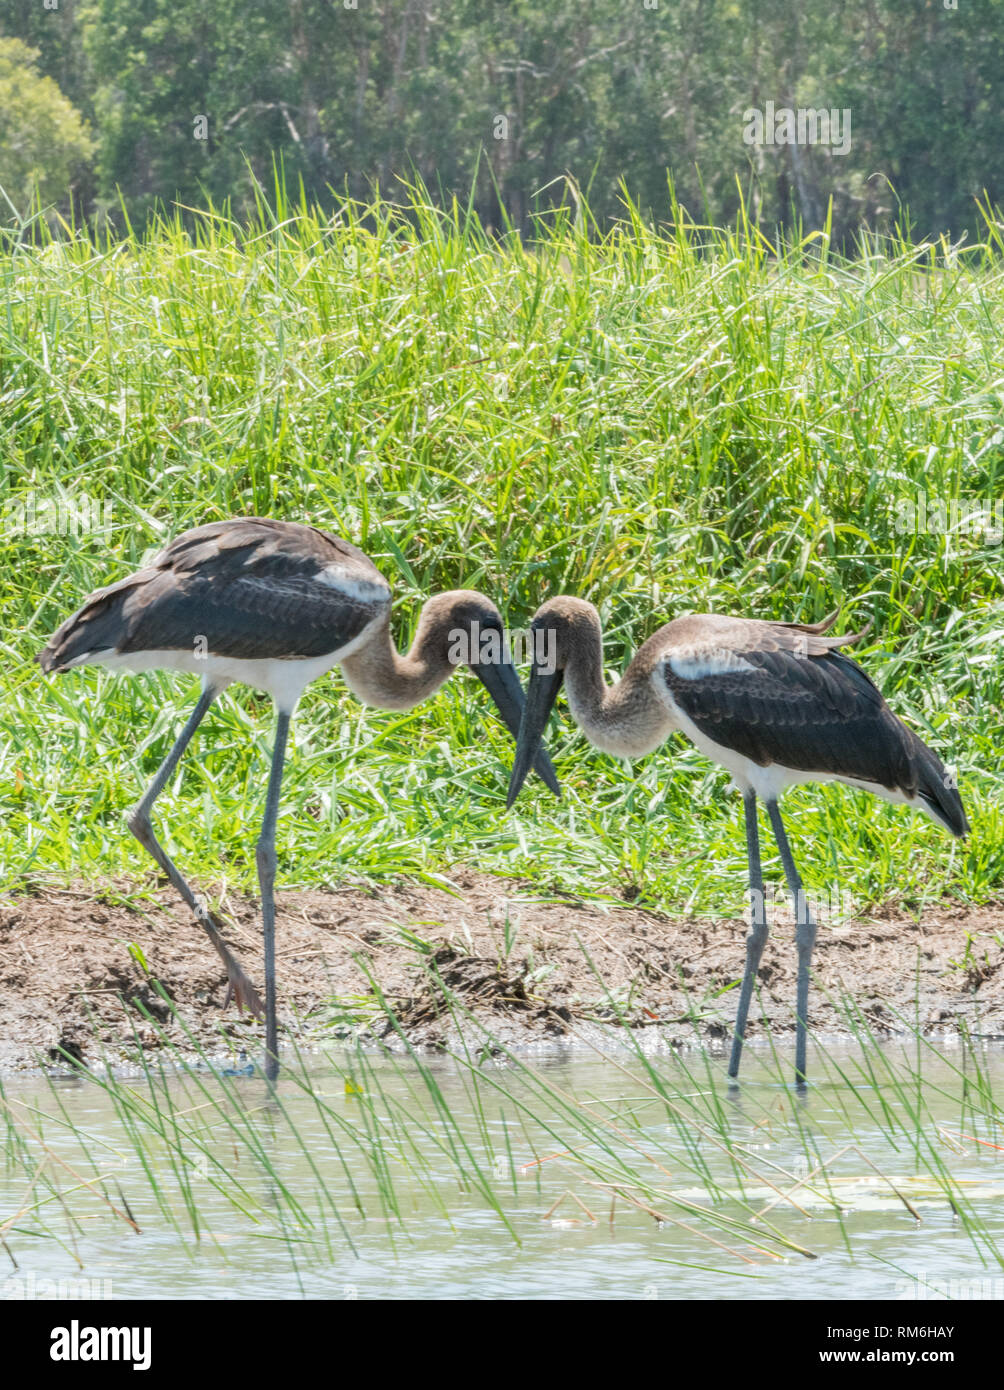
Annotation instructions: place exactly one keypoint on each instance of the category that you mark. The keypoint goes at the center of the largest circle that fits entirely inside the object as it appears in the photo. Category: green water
(455, 1171)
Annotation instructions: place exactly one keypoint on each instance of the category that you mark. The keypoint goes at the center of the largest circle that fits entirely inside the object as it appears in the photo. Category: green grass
(662, 421)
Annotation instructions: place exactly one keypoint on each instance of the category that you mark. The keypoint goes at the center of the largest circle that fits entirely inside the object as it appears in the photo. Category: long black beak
(540, 697)
(502, 683)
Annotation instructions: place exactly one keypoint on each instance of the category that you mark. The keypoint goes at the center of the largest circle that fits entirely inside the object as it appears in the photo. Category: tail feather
(821, 644)
(936, 786)
(98, 625)
(824, 625)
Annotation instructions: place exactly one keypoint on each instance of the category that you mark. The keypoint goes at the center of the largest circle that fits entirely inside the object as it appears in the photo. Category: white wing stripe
(698, 662)
(361, 590)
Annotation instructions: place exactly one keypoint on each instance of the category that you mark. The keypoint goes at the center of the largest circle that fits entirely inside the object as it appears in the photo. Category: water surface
(376, 1177)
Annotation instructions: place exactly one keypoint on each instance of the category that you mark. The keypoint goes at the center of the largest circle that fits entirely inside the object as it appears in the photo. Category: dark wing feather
(817, 713)
(248, 587)
(804, 705)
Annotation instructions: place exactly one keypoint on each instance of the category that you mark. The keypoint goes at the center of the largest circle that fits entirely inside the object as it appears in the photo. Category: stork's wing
(247, 588)
(782, 693)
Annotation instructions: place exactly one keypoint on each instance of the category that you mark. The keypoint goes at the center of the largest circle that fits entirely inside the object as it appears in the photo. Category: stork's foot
(239, 986)
(242, 992)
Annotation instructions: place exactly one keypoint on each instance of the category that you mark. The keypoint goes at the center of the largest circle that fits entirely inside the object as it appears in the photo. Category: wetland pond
(624, 1175)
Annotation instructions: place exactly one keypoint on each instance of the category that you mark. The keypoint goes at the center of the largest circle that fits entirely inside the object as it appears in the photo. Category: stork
(275, 604)
(773, 703)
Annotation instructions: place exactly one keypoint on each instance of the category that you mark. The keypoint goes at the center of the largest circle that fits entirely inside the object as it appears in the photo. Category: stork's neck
(626, 718)
(378, 674)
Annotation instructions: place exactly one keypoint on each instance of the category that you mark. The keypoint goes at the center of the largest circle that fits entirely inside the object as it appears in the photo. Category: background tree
(508, 96)
(43, 138)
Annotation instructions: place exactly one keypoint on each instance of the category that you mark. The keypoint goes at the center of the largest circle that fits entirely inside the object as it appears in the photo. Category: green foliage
(506, 97)
(661, 423)
(43, 139)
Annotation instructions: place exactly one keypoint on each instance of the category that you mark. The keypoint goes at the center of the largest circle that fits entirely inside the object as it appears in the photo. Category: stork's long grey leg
(805, 938)
(266, 878)
(140, 824)
(757, 938)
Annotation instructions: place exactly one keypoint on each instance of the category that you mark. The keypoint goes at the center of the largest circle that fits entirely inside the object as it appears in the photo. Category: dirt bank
(515, 961)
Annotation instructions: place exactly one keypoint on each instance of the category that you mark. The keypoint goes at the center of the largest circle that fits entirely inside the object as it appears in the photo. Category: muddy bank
(72, 963)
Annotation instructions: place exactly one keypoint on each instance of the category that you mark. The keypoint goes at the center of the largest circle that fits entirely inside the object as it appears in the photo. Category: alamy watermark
(30, 1289)
(78, 515)
(802, 125)
(86, 1343)
(833, 906)
(922, 515)
(922, 1288)
(490, 646)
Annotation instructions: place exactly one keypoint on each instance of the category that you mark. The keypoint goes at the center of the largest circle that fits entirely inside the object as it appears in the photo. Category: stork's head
(465, 628)
(561, 629)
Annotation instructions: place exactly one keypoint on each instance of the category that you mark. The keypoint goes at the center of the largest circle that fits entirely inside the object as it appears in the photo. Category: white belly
(283, 679)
